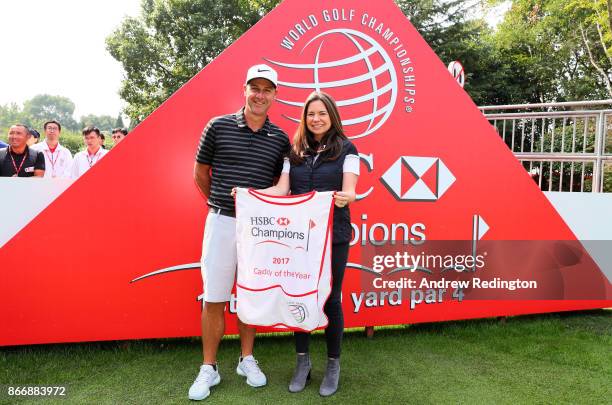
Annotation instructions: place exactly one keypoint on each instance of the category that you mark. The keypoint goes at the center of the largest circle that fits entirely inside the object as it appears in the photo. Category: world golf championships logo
(353, 68)
(299, 311)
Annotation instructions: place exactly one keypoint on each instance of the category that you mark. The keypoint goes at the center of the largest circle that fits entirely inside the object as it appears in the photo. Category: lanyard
(93, 159)
(53, 161)
(18, 169)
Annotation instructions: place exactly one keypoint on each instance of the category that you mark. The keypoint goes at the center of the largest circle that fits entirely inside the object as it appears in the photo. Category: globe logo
(298, 311)
(353, 68)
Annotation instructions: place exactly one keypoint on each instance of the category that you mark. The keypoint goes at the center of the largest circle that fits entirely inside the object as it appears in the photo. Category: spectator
(102, 138)
(58, 159)
(84, 160)
(33, 140)
(118, 135)
(18, 160)
(3, 145)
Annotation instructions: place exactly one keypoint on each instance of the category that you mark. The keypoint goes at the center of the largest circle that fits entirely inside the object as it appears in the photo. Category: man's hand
(201, 175)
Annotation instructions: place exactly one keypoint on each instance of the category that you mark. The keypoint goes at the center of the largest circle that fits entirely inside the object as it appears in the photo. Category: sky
(58, 47)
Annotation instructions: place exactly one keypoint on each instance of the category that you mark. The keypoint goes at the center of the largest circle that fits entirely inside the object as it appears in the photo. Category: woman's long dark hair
(304, 143)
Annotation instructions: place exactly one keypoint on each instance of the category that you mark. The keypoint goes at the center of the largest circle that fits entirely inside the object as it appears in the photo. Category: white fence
(566, 147)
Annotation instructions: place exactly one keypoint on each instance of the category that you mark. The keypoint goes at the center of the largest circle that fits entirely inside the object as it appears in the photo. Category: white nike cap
(262, 72)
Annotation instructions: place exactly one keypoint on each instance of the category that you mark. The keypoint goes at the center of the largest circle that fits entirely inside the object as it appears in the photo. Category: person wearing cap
(3, 145)
(18, 160)
(84, 160)
(33, 140)
(243, 149)
(118, 135)
(58, 159)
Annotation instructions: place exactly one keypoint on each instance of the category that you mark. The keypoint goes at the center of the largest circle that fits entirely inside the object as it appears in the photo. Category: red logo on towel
(283, 221)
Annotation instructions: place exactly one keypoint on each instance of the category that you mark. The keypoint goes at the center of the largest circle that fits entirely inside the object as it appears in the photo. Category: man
(84, 160)
(119, 135)
(243, 150)
(34, 138)
(18, 160)
(58, 159)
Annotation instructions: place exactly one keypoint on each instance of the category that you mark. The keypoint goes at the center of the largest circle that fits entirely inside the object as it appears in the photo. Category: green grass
(547, 359)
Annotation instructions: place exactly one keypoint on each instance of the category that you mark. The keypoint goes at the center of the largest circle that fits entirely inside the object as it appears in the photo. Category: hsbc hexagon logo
(283, 221)
(418, 178)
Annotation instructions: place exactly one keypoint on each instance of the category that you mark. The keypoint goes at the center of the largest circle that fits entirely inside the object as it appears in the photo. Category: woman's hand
(233, 193)
(343, 198)
(347, 195)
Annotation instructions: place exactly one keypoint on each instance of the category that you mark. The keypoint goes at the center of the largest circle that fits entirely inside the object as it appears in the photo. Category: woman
(323, 159)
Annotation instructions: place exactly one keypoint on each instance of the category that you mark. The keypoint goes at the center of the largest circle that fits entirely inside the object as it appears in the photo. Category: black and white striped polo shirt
(240, 157)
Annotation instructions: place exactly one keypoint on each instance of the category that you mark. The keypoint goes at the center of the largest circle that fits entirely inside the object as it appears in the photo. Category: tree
(556, 49)
(119, 122)
(10, 114)
(595, 28)
(171, 41)
(162, 49)
(450, 28)
(103, 122)
(44, 107)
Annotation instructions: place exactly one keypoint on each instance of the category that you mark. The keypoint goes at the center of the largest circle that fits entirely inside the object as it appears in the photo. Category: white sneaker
(208, 377)
(247, 367)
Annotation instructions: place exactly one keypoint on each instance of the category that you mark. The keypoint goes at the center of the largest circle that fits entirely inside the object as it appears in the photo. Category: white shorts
(219, 257)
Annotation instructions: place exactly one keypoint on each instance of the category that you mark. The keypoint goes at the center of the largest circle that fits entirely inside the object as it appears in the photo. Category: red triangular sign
(115, 256)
